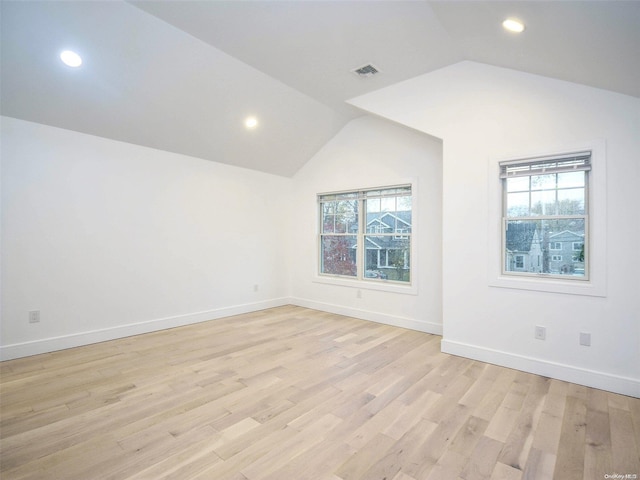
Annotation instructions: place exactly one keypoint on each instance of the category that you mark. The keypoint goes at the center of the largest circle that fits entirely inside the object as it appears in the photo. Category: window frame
(535, 167)
(361, 281)
(596, 285)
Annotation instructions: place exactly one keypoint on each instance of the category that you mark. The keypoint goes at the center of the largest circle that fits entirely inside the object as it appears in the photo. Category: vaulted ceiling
(183, 75)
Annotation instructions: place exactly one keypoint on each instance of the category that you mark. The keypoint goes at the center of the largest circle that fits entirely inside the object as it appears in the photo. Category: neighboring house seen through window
(366, 234)
(545, 216)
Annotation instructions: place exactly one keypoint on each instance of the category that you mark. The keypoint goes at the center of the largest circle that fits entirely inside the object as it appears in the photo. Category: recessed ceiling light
(513, 25)
(251, 122)
(71, 59)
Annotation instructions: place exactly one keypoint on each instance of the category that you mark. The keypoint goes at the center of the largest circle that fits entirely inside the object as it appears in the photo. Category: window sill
(551, 285)
(378, 285)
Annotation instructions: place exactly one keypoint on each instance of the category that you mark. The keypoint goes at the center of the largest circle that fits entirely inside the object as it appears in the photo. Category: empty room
(321, 240)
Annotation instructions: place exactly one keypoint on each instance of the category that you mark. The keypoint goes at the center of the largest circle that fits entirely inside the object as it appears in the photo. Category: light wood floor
(293, 394)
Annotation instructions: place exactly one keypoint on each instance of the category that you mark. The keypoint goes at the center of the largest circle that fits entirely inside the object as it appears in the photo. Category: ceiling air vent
(366, 71)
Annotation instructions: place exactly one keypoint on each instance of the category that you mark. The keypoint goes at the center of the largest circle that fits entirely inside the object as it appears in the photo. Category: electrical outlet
(34, 316)
(541, 332)
(358, 293)
(585, 339)
(256, 287)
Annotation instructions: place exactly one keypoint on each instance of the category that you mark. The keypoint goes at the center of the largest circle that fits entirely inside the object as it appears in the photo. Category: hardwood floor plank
(490, 403)
(483, 459)
(505, 472)
(362, 461)
(450, 465)
(624, 451)
(547, 433)
(519, 441)
(571, 450)
(540, 466)
(598, 461)
(303, 441)
(634, 408)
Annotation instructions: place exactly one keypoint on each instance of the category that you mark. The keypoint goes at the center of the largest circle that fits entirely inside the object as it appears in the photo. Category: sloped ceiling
(181, 76)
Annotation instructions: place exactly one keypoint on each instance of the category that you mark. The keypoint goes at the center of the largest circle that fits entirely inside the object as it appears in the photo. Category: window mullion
(360, 244)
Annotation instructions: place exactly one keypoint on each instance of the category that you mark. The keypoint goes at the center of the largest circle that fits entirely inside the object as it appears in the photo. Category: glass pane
(373, 205)
(404, 204)
(388, 204)
(328, 224)
(389, 221)
(543, 182)
(518, 204)
(346, 217)
(571, 179)
(518, 184)
(340, 217)
(403, 223)
(545, 246)
(338, 255)
(328, 210)
(543, 203)
(387, 257)
(571, 201)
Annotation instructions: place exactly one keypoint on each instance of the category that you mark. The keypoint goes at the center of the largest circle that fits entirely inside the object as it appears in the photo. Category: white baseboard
(46, 345)
(421, 326)
(590, 378)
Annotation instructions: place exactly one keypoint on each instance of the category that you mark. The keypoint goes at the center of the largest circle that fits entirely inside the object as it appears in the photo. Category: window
(546, 211)
(366, 234)
(519, 261)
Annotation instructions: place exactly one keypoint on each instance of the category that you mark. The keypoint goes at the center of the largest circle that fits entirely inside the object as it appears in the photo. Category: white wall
(372, 152)
(485, 114)
(108, 239)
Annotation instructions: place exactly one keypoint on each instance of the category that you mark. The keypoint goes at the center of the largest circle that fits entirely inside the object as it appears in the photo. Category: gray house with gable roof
(566, 252)
(524, 251)
(387, 240)
(529, 250)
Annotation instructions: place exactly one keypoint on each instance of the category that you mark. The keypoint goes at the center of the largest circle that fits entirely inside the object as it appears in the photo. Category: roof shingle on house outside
(519, 236)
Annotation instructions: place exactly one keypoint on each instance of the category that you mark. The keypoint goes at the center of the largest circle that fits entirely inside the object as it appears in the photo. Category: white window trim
(378, 284)
(596, 285)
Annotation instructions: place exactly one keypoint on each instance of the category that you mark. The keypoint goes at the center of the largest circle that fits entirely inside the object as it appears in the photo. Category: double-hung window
(366, 234)
(545, 229)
